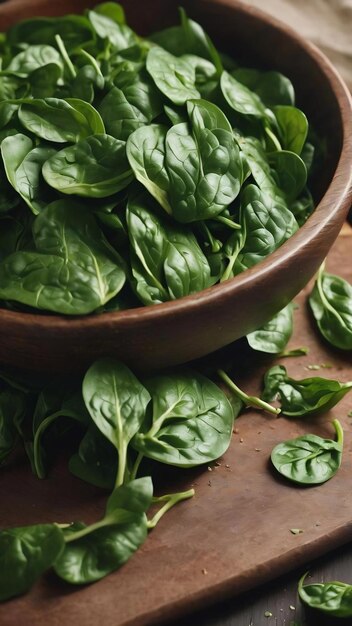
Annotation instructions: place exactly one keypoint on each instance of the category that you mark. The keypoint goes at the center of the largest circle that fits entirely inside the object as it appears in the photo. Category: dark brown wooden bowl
(176, 332)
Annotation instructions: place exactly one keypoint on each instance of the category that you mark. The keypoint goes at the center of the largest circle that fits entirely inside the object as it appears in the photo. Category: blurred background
(328, 23)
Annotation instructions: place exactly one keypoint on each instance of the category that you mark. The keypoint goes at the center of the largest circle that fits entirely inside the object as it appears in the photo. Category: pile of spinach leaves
(135, 171)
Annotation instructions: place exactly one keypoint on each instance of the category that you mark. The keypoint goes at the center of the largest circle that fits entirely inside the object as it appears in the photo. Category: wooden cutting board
(233, 535)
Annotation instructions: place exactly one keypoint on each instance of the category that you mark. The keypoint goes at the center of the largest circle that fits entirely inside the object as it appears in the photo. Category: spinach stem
(247, 400)
(121, 470)
(273, 138)
(136, 465)
(339, 431)
(92, 61)
(170, 500)
(227, 222)
(64, 54)
(37, 456)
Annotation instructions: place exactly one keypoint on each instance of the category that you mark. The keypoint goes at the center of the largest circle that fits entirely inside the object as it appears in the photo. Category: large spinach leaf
(72, 271)
(92, 552)
(191, 420)
(95, 167)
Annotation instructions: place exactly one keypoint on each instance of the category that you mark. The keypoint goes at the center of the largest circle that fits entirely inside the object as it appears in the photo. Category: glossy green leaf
(275, 334)
(124, 110)
(290, 172)
(331, 303)
(272, 87)
(75, 30)
(293, 126)
(174, 76)
(308, 396)
(92, 552)
(23, 166)
(95, 167)
(191, 421)
(73, 270)
(188, 38)
(57, 120)
(33, 58)
(167, 262)
(309, 460)
(117, 33)
(25, 553)
(117, 402)
(266, 223)
(332, 598)
(240, 98)
(96, 460)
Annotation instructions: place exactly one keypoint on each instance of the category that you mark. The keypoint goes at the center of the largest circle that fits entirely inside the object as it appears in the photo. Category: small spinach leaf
(331, 303)
(25, 553)
(117, 402)
(273, 336)
(309, 460)
(174, 76)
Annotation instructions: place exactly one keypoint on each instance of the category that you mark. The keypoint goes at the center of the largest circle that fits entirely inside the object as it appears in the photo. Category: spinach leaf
(119, 35)
(293, 126)
(174, 76)
(23, 166)
(117, 402)
(331, 304)
(124, 110)
(333, 598)
(25, 553)
(188, 38)
(75, 30)
(96, 461)
(59, 121)
(273, 336)
(73, 270)
(50, 408)
(12, 412)
(299, 398)
(194, 174)
(309, 460)
(289, 171)
(167, 262)
(92, 552)
(191, 421)
(240, 98)
(266, 225)
(44, 80)
(95, 167)
(272, 87)
(33, 58)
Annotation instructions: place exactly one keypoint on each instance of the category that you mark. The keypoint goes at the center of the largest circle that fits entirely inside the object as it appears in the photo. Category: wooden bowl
(176, 332)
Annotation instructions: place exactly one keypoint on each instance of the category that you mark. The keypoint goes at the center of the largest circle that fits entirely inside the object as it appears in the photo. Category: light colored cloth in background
(328, 23)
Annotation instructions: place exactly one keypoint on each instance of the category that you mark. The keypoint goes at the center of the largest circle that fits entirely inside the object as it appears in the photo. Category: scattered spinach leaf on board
(309, 459)
(332, 598)
(331, 304)
(299, 398)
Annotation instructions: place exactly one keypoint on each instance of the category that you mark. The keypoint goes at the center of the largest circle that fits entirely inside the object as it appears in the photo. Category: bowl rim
(338, 195)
